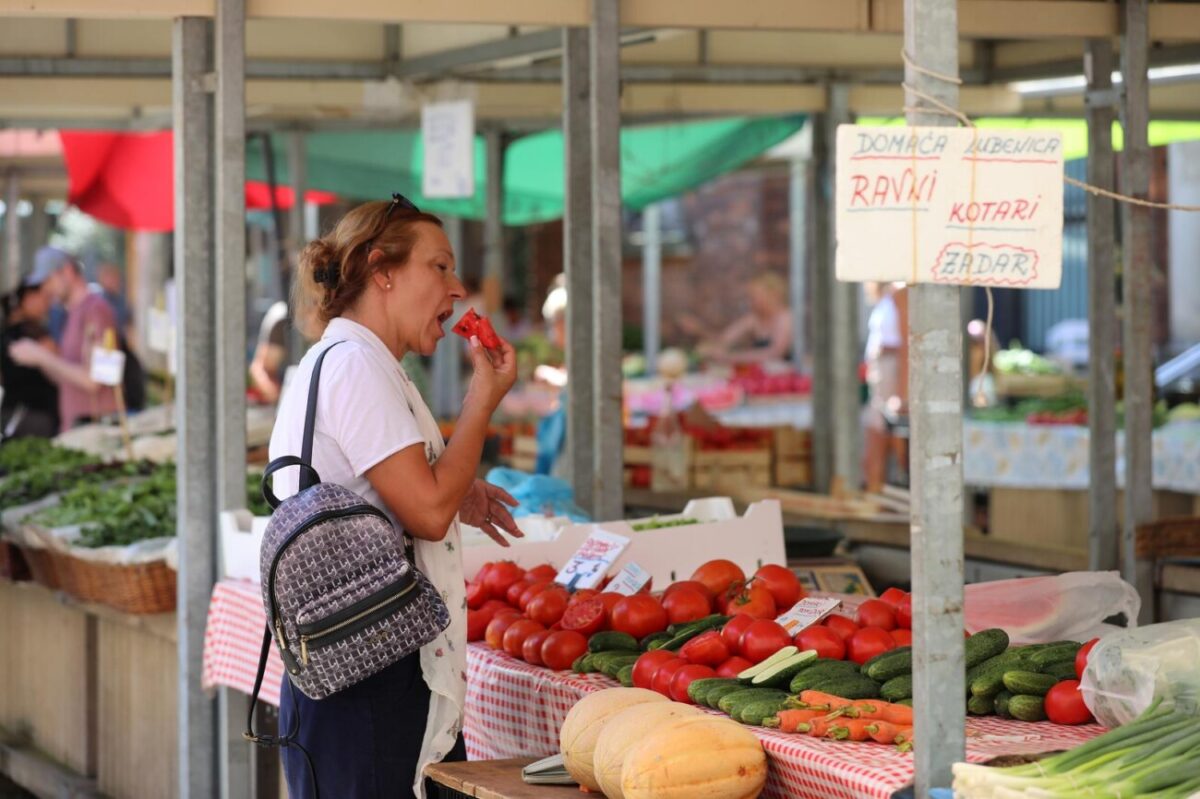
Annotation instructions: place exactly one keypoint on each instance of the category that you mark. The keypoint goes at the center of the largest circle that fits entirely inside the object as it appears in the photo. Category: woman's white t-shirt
(368, 410)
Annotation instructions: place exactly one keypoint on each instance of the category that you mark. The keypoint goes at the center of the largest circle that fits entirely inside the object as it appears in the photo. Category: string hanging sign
(949, 205)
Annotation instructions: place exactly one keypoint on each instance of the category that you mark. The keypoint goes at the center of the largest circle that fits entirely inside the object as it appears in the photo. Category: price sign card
(807, 612)
(592, 560)
(629, 580)
(159, 333)
(108, 366)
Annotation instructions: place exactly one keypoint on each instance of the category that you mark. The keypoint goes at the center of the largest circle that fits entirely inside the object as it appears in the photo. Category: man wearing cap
(89, 319)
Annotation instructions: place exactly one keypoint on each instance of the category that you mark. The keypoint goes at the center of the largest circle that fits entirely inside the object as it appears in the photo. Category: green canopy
(657, 162)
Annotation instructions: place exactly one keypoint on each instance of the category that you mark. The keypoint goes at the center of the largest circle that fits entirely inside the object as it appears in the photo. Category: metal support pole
(39, 233)
(1103, 549)
(577, 249)
(843, 299)
(1137, 284)
(820, 279)
(234, 752)
(797, 250)
(195, 408)
(447, 358)
(606, 257)
(12, 232)
(298, 171)
(493, 223)
(935, 412)
(651, 284)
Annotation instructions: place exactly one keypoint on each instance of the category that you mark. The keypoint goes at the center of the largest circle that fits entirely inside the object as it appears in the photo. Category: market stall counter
(515, 710)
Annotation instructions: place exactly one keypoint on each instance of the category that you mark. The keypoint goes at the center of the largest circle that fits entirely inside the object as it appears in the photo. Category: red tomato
(827, 643)
(893, 596)
(586, 617)
(531, 650)
(699, 586)
(718, 575)
(733, 630)
(562, 648)
(842, 625)
(782, 583)
(901, 636)
(875, 613)
(662, 677)
(582, 594)
(707, 649)
(869, 642)
(762, 639)
(513, 594)
(517, 632)
(686, 604)
(610, 599)
(477, 594)
(501, 577)
(484, 571)
(543, 572)
(904, 613)
(494, 635)
(533, 590)
(639, 615)
(647, 664)
(754, 600)
(1081, 657)
(494, 605)
(477, 624)
(685, 676)
(549, 606)
(1064, 704)
(731, 668)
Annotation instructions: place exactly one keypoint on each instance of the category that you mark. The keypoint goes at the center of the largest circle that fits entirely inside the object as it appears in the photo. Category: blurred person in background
(982, 390)
(885, 378)
(764, 334)
(30, 406)
(270, 354)
(108, 282)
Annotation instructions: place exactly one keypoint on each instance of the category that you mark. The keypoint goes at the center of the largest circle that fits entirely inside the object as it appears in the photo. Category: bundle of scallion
(1157, 755)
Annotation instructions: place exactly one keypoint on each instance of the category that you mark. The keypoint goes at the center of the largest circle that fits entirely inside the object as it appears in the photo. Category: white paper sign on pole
(958, 206)
(592, 560)
(108, 366)
(448, 136)
(159, 331)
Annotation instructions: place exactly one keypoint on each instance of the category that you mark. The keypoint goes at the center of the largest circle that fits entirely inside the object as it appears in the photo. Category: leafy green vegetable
(23, 453)
(254, 498)
(1016, 360)
(36, 482)
(658, 524)
(118, 514)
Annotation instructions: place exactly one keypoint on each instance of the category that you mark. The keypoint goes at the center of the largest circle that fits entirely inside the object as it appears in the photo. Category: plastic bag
(1128, 670)
(1061, 607)
(538, 494)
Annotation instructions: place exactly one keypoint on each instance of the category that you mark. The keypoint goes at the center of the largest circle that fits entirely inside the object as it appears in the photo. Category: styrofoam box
(241, 540)
(667, 553)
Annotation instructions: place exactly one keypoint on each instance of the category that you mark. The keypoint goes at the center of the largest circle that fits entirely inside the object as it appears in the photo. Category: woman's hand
(495, 371)
(484, 507)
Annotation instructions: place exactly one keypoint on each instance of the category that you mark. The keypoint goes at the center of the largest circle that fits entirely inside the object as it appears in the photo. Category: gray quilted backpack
(343, 596)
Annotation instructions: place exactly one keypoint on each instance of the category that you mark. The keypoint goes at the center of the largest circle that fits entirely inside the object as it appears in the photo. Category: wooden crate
(717, 468)
(1012, 385)
(1059, 517)
(524, 454)
(792, 454)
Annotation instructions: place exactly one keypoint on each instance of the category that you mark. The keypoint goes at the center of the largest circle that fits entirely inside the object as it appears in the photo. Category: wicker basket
(43, 566)
(80, 578)
(12, 563)
(137, 588)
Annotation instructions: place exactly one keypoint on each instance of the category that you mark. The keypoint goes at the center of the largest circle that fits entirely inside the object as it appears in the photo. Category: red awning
(127, 179)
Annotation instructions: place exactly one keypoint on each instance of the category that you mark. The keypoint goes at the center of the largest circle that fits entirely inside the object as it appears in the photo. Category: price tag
(807, 612)
(158, 331)
(108, 366)
(592, 560)
(629, 580)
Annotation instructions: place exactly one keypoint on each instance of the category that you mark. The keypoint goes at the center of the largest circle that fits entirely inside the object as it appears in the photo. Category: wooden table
(495, 779)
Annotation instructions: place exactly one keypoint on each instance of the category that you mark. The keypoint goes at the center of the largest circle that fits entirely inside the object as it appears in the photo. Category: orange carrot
(879, 711)
(883, 732)
(817, 727)
(790, 720)
(849, 730)
(904, 739)
(812, 698)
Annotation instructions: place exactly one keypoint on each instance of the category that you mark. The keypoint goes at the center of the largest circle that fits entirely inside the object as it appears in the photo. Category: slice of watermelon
(487, 334)
(468, 325)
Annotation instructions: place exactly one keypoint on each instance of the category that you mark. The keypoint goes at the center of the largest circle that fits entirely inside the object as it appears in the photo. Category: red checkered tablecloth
(515, 710)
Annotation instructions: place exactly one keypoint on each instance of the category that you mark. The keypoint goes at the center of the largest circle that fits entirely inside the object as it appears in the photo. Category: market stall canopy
(127, 179)
(657, 162)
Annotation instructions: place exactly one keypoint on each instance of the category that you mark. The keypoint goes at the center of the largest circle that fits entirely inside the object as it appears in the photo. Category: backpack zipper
(356, 622)
(323, 516)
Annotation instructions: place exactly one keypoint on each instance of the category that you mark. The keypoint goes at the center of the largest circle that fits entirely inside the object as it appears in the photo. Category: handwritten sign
(960, 206)
(629, 580)
(807, 612)
(448, 136)
(592, 560)
(160, 334)
(108, 366)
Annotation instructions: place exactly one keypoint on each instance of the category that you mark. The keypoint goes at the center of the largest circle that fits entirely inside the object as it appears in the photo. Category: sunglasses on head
(398, 201)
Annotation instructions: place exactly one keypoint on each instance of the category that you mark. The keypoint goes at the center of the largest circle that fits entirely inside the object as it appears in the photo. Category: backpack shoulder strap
(310, 422)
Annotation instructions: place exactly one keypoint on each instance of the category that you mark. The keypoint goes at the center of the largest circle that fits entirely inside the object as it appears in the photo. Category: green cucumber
(822, 669)
(757, 712)
(697, 688)
(582, 664)
(1054, 654)
(625, 676)
(850, 686)
(612, 642)
(983, 645)
(654, 641)
(1029, 683)
(1027, 708)
(780, 675)
(1001, 704)
(783, 654)
(981, 706)
(988, 679)
(739, 699)
(1064, 670)
(897, 651)
(897, 688)
(713, 696)
(611, 666)
(893, 664)
(906, 702)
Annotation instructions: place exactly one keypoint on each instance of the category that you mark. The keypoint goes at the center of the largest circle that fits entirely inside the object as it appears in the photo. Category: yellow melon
(585, 722)
(625, 730)
(695, 757)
